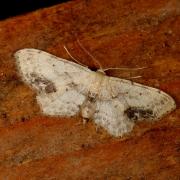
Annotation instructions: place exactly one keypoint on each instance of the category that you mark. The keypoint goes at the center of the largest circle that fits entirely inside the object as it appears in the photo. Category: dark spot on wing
(28, 58)
(162, 102)
(136, 113)
(39, 80)
(42, 83)
(72, 85)
(50, 88)
(92, 96)
(91, 99)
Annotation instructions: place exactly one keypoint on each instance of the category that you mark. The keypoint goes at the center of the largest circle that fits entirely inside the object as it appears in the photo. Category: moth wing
(142, 102)
(122, 102)
(110, 115)
(61, 85)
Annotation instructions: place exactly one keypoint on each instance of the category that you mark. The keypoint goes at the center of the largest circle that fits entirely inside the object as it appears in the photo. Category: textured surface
(119, 34)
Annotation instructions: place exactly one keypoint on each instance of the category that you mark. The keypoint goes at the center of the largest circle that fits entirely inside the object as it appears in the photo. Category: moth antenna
(125, 68)
(135, 77)
(89, 54)
(73, 57)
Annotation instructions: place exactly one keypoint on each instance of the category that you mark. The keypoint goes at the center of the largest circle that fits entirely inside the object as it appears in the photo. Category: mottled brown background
(119, 33)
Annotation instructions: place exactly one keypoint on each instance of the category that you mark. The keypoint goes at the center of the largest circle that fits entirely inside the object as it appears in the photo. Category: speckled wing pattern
(65, 88)
(60, 84)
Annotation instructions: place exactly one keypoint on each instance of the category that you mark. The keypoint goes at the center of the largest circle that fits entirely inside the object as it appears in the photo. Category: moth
(65, 88)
